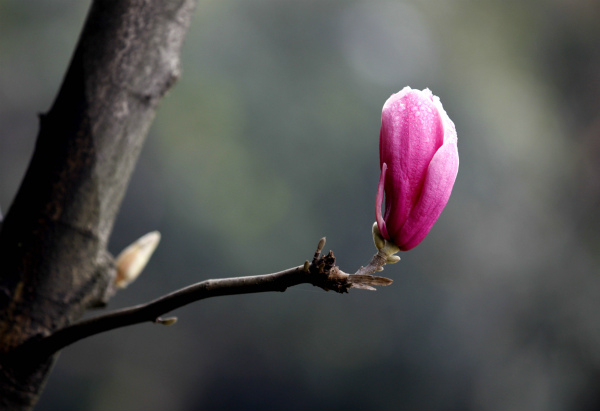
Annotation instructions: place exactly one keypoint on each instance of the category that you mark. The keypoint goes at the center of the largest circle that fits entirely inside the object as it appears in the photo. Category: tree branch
(151, 311)
(321, 272)
(54, 263)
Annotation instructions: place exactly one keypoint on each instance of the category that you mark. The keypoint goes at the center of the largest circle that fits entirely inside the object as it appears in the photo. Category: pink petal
(411, 132)
(379, 202)
(437, 188)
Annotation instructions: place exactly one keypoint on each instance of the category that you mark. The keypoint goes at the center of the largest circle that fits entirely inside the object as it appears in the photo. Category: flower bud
(133, 259)
(418, 157)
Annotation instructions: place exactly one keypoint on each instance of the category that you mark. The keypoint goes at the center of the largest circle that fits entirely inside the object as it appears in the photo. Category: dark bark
(53, 258)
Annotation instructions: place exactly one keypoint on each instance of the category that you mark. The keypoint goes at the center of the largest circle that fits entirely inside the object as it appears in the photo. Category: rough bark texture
(53, 259)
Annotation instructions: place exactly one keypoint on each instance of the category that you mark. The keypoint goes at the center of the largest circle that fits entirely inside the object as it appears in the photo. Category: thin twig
(151, 311)
(322, 272)
(378, 261)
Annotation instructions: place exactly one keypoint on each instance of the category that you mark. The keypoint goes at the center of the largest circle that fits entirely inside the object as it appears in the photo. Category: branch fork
(328, 276)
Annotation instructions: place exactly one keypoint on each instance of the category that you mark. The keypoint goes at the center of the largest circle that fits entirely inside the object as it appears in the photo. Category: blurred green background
(270, 141)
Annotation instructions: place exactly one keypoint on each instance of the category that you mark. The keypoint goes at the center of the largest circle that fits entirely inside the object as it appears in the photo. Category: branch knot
(326, 275)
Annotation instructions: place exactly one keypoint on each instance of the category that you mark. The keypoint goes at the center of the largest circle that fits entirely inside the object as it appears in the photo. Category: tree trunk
(53, 258)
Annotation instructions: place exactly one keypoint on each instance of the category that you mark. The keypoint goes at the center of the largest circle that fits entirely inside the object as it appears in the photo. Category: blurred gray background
(270, 141)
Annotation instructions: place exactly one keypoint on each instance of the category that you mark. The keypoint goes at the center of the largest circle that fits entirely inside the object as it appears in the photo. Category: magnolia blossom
(419, 161)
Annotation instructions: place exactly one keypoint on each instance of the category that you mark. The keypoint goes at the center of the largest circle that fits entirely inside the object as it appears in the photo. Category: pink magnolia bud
(419, 161)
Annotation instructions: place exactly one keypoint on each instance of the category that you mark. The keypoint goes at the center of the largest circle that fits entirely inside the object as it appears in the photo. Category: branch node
(326, 275)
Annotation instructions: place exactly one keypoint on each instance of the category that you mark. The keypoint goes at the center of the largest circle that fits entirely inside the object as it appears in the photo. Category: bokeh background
(269, 141)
